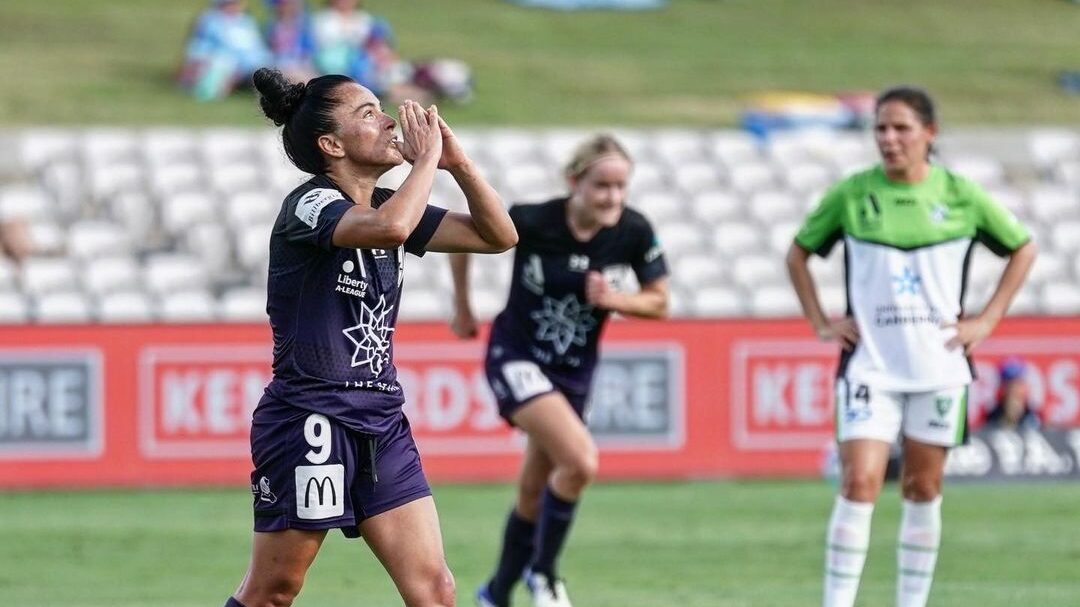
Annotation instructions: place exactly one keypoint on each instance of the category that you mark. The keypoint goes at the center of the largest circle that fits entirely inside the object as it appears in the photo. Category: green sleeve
(995, 226)
(823, 227)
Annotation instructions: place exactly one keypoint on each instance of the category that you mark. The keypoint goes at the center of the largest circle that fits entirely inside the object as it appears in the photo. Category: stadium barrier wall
(171, 404)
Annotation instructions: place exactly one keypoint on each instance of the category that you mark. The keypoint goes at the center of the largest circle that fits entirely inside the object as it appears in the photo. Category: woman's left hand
(970, 332)
(598, 292)
(453, 154)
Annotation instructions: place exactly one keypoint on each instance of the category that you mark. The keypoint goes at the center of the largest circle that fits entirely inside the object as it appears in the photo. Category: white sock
(845, 551)
(916, 555)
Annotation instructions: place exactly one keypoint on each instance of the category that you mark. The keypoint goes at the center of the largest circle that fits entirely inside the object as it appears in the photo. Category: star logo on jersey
(372, 336)
(939, 213)
(564, 322)
(907, 282)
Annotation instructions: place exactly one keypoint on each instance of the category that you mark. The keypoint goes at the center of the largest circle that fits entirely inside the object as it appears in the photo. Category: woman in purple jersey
(543, 351)
(330, 446)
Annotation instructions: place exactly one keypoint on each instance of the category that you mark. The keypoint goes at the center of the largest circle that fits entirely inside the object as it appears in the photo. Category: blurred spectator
(352, 41)
(1012, 409)
(291, 39)
(224, 49)
(15, 240)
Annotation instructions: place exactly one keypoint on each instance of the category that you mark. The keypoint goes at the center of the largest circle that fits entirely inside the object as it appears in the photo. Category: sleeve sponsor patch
(311, 204)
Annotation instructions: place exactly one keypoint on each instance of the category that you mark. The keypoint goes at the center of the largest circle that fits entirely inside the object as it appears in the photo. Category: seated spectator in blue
(224, 49)
(352, 41)
(291, 39)
(1012, 408)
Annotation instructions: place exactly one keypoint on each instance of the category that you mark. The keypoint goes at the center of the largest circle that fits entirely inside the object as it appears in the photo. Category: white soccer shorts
(937, 417)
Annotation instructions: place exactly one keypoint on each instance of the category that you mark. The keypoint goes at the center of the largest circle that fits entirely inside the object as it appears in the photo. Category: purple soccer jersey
(333, 310)
(547, 320)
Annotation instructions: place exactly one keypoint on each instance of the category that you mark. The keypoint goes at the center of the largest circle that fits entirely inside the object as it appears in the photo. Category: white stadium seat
(188, 306)
(108, 145)
(125, 307)
(753, 271)
(732, 238)
(243, 304)
(659, 207)
(424, 305)
(166, 146)
(94, 238)
(647, 176)
(1065, 236)
(696, 271)
(220, 146)
(173, 272)
(984, 171)
(734, 147)
(234, 176)
(828, 271)
(252, 246)
(679, 238)
(833, 300)
(1049, 266)
(712, 206)
(693, 176)
(9, 273)
(252, 207)
(718, 301)
(750, 177)
(1060, 298)
(47, 238)
(210, 243)
(781, 235)
(806, 176)
(774, 301)
(25, 202)
(1052, 203)
(1047, 147)
(38, 147)
(181, 211)
(13, 308)
(106, 180)
(678, 146)
(486, 303)
(106, 275)
(62, 307)
(770, 206)
(42, 275)
(170, 179)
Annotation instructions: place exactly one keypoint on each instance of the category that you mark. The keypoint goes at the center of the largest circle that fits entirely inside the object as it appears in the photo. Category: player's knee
(920, 487)
(582, 469)
(528, 499)
(436, 588)
(861, 486)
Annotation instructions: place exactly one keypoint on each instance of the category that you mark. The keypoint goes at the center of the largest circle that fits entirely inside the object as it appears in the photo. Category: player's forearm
(1012, 278)
(459, 272)
(805, 289)
(644, 304)
(405, 207)
(485, 207)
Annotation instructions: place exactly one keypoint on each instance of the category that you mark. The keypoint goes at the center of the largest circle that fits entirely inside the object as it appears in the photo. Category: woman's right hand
(463, 323)
(843, 330)
(421, 133)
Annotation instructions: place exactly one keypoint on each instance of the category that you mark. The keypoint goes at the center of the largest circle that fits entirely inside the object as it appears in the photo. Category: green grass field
(701, 544)
(82, 62)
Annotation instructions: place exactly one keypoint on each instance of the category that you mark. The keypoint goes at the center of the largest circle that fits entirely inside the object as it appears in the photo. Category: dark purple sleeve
(648, 258)
(429, 222)
(312, 218)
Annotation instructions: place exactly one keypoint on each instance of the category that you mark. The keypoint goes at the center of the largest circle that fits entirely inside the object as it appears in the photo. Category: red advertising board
(171, 404)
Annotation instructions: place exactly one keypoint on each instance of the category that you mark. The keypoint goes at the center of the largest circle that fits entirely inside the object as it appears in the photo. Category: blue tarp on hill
(570, 5)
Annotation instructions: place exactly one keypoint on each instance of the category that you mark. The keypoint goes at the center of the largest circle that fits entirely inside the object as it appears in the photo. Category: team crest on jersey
(907, 282)
(942, 404)
(564, 322)
(532, 275)
(939, 212)
(263, 492)
(371, 336)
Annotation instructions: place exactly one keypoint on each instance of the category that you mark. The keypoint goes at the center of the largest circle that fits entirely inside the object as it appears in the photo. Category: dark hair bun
(278, 97)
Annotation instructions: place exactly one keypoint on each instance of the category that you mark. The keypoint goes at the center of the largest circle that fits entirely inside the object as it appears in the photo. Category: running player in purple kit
(330, 445)
(543, 350)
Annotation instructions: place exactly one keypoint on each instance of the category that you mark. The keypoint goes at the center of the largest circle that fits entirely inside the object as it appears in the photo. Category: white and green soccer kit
(907, 250)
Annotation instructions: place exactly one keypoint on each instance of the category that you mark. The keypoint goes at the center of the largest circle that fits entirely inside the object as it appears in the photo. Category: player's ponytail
(278, 97)
(304, 110)
(592, 150)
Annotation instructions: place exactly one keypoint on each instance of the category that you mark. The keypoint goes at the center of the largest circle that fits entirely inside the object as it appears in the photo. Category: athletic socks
(517, 549)
(845, 554)
(556, 515)
(916, 553)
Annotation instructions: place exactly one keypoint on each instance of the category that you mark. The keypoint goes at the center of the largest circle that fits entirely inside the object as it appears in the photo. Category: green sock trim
(846, 550)
(917, 573)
